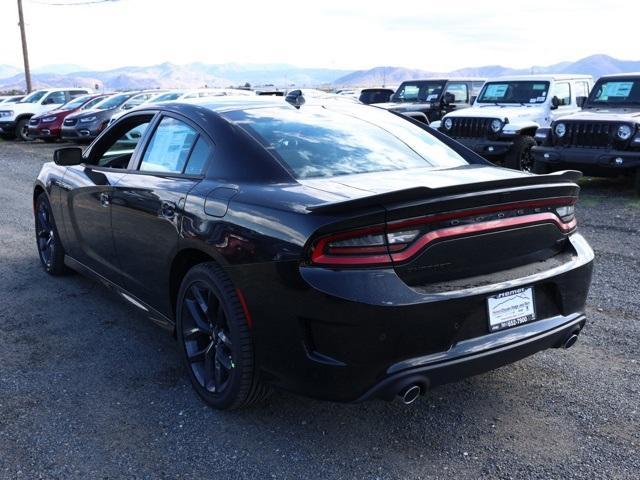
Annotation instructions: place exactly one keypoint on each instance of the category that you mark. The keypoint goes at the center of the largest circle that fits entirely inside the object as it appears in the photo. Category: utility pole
(25, 53)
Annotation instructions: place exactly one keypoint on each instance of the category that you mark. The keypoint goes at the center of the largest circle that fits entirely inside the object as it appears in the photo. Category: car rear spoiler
(423, 193)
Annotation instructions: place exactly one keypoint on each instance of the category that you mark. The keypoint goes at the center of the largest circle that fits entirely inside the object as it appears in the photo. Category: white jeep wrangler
(502, 122)
(14, 118)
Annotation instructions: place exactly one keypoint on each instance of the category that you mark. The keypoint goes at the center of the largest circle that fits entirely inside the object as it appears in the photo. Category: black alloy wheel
(215, 338)
(50, 248)
(520, 156)
(207, 339)
(22, 130)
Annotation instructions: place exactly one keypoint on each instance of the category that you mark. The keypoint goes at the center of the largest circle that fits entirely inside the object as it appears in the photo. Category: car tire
(50, 249)
(22, 130)
(215, 340)
(541, 168)
(520, 157)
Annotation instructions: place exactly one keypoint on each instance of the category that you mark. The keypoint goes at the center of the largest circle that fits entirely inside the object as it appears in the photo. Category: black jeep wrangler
(429, 100)
(602, 140)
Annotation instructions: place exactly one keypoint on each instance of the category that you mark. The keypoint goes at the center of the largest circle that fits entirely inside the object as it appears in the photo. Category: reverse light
(566, 212)
(88, 119)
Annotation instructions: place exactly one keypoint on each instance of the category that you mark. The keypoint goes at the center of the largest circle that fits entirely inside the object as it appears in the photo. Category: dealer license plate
(512, 308)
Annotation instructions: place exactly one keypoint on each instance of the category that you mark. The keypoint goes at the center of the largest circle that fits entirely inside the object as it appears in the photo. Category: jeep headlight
(88, 119)
(448, 123)
(6, 113)
(49, 119)
(496, 125)
(560, 129)
(624, 132)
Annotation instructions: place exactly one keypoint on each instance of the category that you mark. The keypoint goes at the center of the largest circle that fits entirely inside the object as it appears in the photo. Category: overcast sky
(351, 34)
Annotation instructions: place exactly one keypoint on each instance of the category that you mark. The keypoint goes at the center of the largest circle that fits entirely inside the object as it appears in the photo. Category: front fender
(513, 128)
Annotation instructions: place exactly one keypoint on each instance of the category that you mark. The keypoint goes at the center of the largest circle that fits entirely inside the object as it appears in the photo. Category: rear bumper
(353, 335)
(592, 161)
(486, 147)
(476, 356)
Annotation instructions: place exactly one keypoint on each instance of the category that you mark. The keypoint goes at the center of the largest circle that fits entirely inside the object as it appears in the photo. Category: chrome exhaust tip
(570, 341)
(410, 394)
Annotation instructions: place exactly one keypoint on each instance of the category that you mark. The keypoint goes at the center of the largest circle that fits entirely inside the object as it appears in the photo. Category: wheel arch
(184, 261)
(37, 191)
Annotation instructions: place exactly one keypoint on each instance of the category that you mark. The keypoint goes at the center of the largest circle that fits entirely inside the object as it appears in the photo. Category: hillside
(167, 75)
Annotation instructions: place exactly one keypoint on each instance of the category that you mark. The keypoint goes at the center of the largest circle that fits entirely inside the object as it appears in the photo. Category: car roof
(447, 79)
(540, 77)
(621, 75)
(228, 103)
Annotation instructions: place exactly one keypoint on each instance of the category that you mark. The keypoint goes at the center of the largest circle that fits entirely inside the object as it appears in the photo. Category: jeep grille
(469, 127)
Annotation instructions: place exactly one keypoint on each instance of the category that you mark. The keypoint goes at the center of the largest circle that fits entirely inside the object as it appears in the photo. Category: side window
(55, 98)
(198, 158)
(563, 92)
(582, 89)
(115, 150)
(169, 147)
(460, 91)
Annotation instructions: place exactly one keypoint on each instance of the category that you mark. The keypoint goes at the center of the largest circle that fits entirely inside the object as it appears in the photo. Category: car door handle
(105, 199)
(167, 209)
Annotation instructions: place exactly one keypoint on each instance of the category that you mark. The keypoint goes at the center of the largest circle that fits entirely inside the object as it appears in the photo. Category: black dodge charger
(342, 252)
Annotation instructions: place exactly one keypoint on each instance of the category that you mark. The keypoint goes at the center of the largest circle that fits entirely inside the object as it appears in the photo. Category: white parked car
(502, 122)
(14, 118)
(7, 99)
(178, 95)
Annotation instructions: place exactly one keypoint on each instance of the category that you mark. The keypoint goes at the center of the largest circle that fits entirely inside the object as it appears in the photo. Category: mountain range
(168, 75)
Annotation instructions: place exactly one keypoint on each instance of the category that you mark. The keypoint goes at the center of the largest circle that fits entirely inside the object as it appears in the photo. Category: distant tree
(247, 85)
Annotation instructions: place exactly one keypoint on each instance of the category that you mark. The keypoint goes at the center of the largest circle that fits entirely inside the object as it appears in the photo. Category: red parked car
(46, 126)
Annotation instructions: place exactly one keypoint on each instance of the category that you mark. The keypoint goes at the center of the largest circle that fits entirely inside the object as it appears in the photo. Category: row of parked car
(536, 123)
(79, 115)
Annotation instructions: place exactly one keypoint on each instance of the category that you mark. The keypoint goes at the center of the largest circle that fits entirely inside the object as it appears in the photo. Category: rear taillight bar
(400, 240)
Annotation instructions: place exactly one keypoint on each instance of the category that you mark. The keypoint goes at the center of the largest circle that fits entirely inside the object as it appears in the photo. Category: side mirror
(68, 156)
(555, 103)
(580, 101)
(449, 98)
(295, 98)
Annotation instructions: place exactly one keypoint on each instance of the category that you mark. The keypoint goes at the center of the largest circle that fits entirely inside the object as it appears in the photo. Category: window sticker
(616, 89)
(540, 86)
(541, 98)
(432, 97)
(496, 90)
(533, 100)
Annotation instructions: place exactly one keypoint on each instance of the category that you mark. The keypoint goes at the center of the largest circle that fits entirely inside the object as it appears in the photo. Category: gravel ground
(90, 389)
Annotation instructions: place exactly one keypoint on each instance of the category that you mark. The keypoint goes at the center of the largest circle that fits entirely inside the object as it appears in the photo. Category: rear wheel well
(36, 193)
(184, 261)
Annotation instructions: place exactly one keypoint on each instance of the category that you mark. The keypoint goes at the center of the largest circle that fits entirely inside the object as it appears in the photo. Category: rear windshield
(319, 142)
(514, 92)
(614, 92)
(165, 97)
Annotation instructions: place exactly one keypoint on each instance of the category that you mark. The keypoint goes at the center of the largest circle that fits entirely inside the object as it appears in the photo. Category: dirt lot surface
(90, 389)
